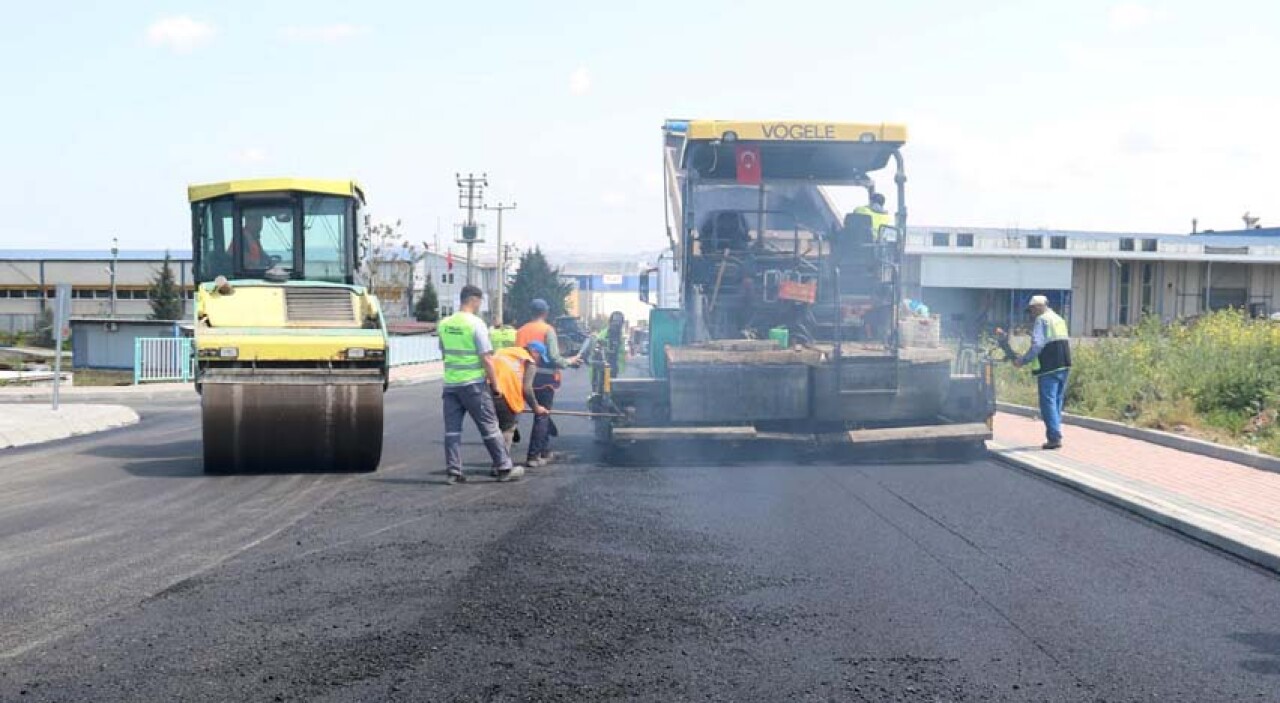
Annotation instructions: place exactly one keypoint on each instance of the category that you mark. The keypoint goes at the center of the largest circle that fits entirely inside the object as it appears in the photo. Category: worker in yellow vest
(468, 375)
(879, 216)
(1050, 362)
(514, 369)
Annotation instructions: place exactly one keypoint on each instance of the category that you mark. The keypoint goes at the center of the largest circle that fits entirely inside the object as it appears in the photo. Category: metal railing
(162, 359)
(170, 358)
(416, 349)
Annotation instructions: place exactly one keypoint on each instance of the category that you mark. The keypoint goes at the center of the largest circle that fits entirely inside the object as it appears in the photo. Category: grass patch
(101, 377)
(1217, 377)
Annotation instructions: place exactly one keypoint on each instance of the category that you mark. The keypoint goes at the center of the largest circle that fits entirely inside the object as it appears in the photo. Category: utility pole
(471, 198)
(502, 259)
(115, 255)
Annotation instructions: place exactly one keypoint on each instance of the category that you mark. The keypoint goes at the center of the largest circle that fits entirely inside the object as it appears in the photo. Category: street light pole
(115, 253)
(502, 260)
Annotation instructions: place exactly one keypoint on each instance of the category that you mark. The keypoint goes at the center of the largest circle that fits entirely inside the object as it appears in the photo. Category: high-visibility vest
(508, 370)
(462, 365)
(1056, 354)
(620, 363)
(877, 219)
(548, 375)
(502, 337)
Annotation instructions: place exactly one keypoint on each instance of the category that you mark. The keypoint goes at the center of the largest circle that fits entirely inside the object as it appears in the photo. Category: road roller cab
(291, 354)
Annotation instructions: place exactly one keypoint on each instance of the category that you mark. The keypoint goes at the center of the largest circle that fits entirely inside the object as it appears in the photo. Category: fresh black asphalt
(127, 575)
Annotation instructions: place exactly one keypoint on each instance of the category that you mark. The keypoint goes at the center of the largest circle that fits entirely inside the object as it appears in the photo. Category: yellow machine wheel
(313, 427)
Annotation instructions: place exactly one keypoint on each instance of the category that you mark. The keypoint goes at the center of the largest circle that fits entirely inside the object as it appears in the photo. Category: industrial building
(449, 278)
(600, 288)
(977, 277)
(28, 278)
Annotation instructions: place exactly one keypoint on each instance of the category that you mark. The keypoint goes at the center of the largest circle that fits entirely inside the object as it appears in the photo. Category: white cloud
(613, 198)
(251, 155)
(181, 34)
(1126, 16)
(580, 81)
(327, 34)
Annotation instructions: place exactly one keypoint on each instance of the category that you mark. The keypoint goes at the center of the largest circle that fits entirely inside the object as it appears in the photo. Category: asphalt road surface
(127, 575)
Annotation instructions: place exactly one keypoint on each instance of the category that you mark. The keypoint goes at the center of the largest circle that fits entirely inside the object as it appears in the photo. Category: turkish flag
(748, 160)
(448, 260)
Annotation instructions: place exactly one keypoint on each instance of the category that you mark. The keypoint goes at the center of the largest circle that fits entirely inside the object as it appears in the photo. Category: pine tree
(427, 309)
(166, 299)
(535, 279)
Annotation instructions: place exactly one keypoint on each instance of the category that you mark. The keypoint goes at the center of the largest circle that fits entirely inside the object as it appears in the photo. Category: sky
(1091, 115)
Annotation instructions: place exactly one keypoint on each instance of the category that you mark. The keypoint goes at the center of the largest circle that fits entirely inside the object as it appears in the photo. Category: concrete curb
(39, 425)
(1202, 527)
(114, 394)
(403, 383)
(1164, 439)
(107, 394)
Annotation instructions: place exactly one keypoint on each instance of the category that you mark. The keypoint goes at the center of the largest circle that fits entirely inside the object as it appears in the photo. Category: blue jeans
(1053, 392)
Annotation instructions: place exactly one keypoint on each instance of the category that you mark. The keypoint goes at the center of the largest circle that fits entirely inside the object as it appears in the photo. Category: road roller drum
(290, 426)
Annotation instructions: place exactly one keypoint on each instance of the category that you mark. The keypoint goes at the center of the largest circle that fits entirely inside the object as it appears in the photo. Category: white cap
(1038, 300)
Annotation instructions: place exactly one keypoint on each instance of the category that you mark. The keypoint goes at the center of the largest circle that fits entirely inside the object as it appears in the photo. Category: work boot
(510, 474)
(1052, 444)
(454, 477)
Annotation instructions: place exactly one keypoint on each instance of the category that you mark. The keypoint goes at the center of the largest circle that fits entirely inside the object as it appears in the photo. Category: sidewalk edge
(1164, 439)
(1166, 518)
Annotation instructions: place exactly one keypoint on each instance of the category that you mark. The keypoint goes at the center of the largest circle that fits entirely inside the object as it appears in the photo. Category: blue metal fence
(170, 358)
(162, 359)
(418, 349)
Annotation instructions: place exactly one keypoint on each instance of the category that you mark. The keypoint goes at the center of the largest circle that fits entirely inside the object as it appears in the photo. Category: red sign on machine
(799, 292)
(749, 167)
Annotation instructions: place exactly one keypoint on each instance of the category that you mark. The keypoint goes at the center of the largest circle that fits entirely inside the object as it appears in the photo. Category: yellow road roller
(291, 354)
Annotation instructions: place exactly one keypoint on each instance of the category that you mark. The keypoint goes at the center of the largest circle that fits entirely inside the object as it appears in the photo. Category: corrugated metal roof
(91, 255)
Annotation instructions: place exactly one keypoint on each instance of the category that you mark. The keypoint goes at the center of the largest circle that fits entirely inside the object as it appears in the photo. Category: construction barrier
(162, 359)
(416, 349)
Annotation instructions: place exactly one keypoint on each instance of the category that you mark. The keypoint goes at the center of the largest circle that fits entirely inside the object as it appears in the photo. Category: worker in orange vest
(547, 379)
(514, 369)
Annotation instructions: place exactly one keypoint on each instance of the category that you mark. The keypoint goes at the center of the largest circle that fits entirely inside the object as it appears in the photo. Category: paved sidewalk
(400, 376)
(21, 425)
(1228, 505)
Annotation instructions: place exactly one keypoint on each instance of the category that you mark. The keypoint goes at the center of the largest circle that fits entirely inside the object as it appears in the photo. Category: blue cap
(538, 348)
(539, 306)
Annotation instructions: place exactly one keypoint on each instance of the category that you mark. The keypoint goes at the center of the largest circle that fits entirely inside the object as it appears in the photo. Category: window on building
(1126, 244)
(81, 293)
(103, 293)
(941, 239)
(1126, 284)
(50, 293)
(1147, 298)
(1035, 241)
(964, 240)
(1058, 242)
(1150, 244)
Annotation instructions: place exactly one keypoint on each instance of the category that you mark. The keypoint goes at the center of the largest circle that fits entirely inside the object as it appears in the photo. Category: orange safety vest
(536, 331)
(508, 371)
